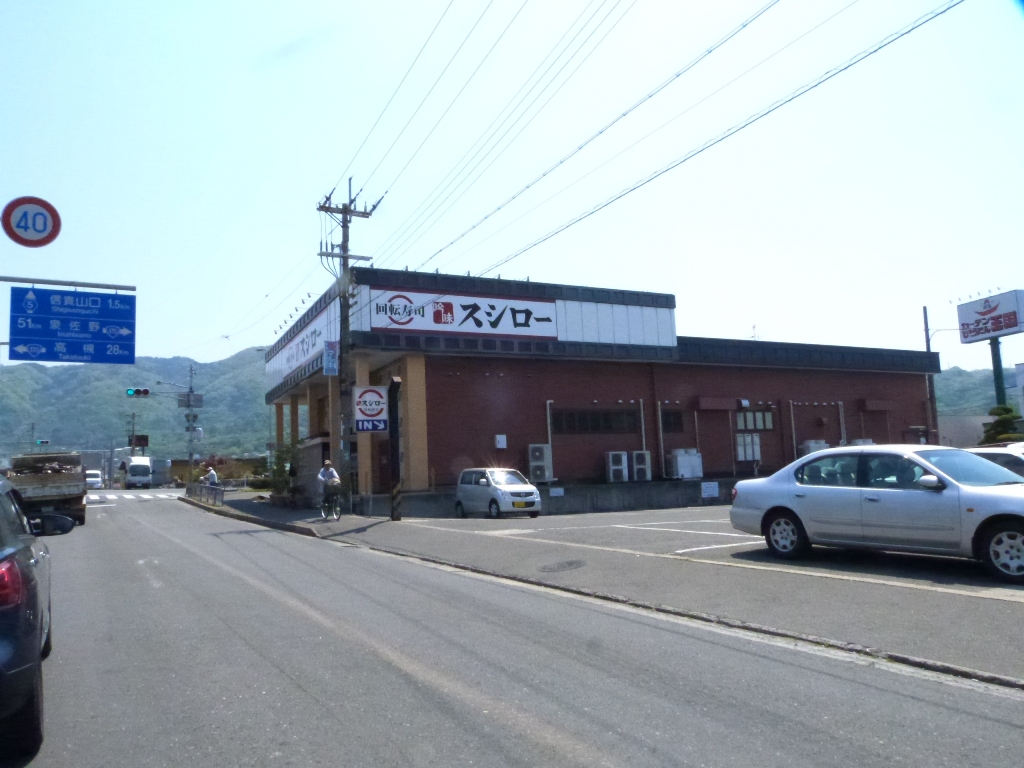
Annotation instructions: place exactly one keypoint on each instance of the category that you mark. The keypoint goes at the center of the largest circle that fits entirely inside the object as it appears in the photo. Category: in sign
(31, 221)
(371, 406)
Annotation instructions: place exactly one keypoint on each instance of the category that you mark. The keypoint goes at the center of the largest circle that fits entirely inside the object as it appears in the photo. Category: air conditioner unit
(641, 465)
(684, 464)
(540, 463)
(617, 466)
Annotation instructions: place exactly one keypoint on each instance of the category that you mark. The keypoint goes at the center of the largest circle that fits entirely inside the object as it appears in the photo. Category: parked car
(910, 498)
(26, 627)
(93, 479)
(494, 491)
(1010, 455)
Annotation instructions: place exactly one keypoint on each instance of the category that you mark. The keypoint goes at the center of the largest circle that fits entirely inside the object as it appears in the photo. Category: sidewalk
(962, 630)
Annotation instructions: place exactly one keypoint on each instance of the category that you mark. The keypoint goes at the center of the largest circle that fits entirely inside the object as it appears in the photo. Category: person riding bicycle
(328, 476)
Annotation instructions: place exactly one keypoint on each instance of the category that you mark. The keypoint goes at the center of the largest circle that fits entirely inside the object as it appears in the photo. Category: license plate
(518, 504)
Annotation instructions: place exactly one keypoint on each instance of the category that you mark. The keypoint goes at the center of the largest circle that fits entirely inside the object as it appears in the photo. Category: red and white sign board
(989, 318)
(31, 221)
(406, 310)
(371, 409)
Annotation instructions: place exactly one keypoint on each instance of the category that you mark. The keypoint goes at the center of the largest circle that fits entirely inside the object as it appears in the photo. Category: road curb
(241, 516)
(939, 667)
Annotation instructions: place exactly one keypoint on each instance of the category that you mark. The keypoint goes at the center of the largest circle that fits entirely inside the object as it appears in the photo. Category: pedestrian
(210, 478)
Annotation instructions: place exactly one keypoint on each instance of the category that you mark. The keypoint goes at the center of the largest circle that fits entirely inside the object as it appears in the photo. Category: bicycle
(331, 502)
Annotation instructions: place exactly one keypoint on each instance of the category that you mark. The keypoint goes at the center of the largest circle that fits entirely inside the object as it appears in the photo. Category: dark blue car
(26, 632)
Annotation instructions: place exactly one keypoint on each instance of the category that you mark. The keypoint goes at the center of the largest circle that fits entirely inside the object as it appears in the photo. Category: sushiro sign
(309, 343)
(371, 409)
(991, 317)
(405, 310)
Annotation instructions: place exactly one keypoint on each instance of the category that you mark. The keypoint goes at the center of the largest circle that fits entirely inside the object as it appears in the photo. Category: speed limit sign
(31, 221)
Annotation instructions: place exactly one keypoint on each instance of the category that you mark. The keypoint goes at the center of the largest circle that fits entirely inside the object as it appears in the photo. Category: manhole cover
(565, 565)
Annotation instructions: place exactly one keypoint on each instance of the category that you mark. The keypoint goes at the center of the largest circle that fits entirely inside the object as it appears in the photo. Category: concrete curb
(939, 667)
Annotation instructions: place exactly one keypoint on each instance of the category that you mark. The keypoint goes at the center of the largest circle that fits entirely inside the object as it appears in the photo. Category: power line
(397, 89)
(733, 131)
(410, 233)
(427, 96)
(629, 110)
(664, 125)
(452, 104)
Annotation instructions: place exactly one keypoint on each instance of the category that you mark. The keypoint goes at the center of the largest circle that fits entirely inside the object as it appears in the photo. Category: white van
(139, 472)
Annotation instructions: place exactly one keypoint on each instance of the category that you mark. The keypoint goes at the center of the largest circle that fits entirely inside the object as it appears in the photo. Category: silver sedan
(910, 498)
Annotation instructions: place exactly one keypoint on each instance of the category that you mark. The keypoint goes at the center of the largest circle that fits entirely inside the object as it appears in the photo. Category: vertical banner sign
(68, 326)
(330, 358)
(371, 409)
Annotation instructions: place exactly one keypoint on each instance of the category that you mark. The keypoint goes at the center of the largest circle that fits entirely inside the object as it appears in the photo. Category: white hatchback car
(93, 479)
(911, 498)
(495, 491)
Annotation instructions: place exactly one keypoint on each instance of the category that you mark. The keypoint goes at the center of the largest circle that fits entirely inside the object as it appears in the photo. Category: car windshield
(138, 469)
(93, 474)
(507, 477)
(969, 469)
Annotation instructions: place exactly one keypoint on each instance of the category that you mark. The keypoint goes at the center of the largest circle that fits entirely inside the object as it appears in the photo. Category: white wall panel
(636, 325)
(573, 321)
(621, 312)
(591, 331)
(667, 328)
(606, 323)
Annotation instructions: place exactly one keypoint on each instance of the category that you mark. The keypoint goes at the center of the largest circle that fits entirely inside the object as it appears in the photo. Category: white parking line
(714, 546)
(681, 530)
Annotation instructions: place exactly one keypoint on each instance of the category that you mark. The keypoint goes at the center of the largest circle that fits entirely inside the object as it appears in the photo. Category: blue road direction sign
(68, 326)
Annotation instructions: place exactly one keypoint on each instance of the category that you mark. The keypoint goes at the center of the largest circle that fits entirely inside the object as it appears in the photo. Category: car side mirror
(931, 482)
(53, 525)
(483, 481)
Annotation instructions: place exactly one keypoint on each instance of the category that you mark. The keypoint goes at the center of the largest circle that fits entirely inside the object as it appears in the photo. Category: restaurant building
(565, 382)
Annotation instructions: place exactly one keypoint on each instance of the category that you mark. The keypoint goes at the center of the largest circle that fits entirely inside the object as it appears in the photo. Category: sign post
(396, 453)
(990, 318)
(68, 326)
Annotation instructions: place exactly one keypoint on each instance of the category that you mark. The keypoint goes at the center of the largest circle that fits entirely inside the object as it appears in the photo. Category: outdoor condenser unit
(617, 466)
(641, 465)
(540, 463)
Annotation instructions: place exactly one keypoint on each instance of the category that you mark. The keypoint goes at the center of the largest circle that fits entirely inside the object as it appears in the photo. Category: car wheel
(80, 518)
(22, 732)
(534, 513)
(785, 536)
(1002, 551)
(460, 511)
(494, 510)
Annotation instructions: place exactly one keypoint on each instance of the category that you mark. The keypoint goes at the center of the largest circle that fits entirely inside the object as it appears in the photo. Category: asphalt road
(186, 639)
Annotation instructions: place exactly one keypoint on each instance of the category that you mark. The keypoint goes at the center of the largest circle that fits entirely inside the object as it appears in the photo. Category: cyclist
(328, 476)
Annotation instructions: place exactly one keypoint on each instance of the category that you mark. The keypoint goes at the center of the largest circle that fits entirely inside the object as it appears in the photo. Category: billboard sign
(68, 326)
(990, 317)
(331, 358)
(307, 344)
(407, 310)
(371, 409)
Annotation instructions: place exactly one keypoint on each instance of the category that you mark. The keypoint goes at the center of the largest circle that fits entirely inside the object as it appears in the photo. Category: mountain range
(86, 406)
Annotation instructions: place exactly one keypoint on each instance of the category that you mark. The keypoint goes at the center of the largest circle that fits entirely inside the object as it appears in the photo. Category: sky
(187, 144)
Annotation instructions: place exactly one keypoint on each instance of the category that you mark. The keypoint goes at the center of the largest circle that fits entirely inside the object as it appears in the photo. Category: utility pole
(933, 411)
(343, 215)
(191, 421)
(131, 437)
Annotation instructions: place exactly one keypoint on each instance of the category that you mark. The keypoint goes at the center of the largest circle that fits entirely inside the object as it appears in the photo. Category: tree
(1002, 429)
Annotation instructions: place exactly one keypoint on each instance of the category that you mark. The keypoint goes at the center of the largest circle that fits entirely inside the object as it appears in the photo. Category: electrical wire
(629, 110)
(643, 138)
(515, 122)
(930, 16)
(496, 124)
(397, 89)
(427, 96)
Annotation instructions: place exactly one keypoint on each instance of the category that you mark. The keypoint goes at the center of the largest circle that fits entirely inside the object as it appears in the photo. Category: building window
(671, 421)
(759, 420)
(594, 422)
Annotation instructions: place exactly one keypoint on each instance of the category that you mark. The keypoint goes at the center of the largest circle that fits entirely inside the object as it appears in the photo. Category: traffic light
(137, 392)
(42, 442)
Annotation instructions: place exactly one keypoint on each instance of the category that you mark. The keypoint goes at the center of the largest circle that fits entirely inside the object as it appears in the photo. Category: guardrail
(206, 494)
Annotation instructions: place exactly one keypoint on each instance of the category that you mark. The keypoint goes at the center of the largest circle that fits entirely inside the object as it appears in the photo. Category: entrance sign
(67, 326)
(991, 317)
(31, 221)
(371, 409)
(398, 310)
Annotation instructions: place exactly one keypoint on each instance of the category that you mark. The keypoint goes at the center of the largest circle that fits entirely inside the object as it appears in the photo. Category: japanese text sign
(405, 310)
(68, 326)
(371, 409)
(991, 317)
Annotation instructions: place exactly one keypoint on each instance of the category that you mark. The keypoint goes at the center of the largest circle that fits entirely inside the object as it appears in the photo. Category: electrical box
(684, 464)
(748, 446)
(617, 466)
(811, 446)
(540, 463)
(501, 441)
(641, 465)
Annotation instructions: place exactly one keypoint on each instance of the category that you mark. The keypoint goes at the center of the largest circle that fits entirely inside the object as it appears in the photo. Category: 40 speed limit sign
(371, 409)
(31, 221)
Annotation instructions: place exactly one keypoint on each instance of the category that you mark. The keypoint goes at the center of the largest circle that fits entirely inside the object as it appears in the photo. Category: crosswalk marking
(111, 496)
(94, 497)
(145, 496)
(166, 496)
(127, 496)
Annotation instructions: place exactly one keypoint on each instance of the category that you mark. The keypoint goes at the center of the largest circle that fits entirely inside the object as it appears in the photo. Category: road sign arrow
(21, 348)
(124, 332)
